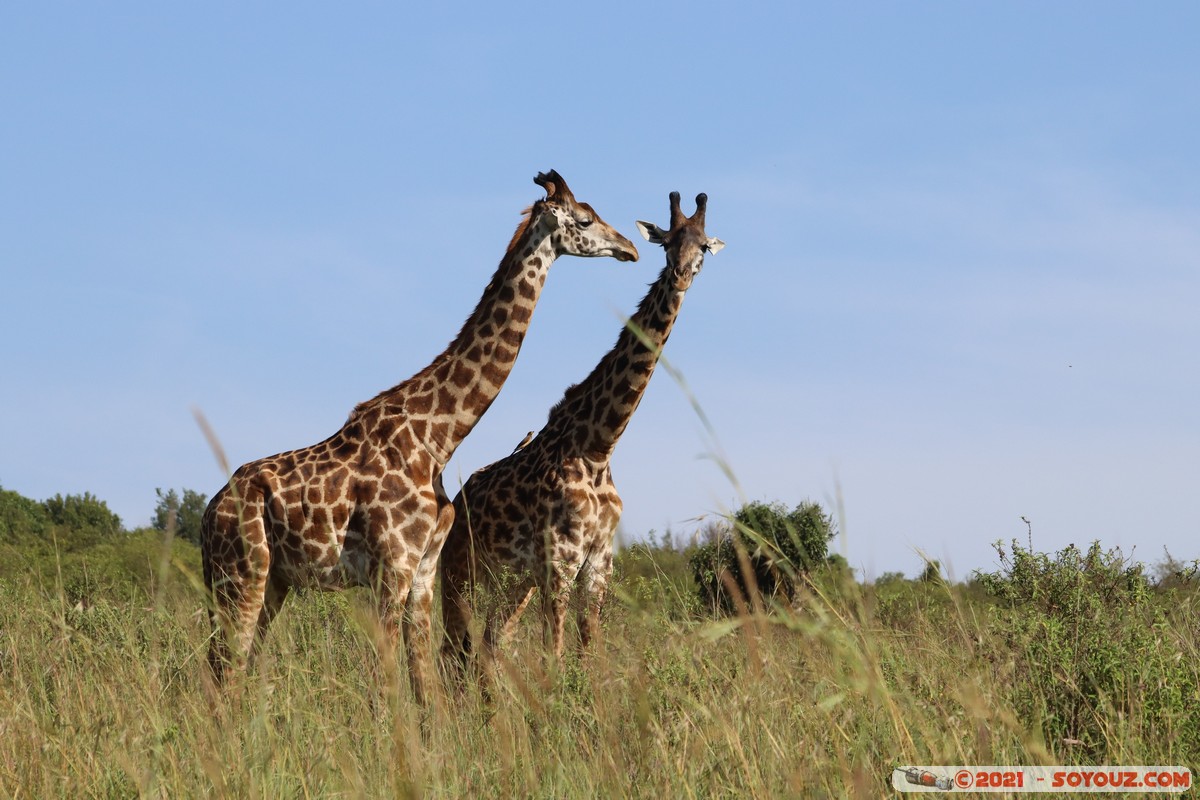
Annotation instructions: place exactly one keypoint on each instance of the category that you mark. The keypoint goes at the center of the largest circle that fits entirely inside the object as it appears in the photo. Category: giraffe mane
(562, 401)
(522, 226)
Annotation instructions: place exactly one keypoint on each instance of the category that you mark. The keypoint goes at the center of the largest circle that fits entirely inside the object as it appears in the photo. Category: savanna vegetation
(751, 663)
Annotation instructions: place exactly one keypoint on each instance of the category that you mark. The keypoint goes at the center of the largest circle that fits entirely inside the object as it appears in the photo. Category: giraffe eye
(585, 222)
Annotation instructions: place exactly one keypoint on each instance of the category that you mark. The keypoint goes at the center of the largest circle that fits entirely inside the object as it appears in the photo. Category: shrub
(795, 541)
(709, 563)
(914, 606)
(21, 519)
(1092, 643)
(768, 552)
(77, 545)
(654, 579)
(125, 566)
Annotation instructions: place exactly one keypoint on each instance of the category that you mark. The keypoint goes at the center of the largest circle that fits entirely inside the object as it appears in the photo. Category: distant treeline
(764, 550)
(76, 544)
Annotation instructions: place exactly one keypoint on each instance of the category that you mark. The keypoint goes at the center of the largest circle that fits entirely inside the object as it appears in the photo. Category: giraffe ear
(651, 232)
(714, 244)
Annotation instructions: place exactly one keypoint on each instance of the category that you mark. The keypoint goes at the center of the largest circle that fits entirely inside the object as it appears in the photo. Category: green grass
(102, 696)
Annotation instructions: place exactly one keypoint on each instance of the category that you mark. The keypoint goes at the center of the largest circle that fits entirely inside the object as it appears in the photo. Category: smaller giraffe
(549, 510)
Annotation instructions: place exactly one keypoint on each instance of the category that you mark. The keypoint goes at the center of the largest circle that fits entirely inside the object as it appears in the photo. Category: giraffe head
(685, 243)
(577, 228)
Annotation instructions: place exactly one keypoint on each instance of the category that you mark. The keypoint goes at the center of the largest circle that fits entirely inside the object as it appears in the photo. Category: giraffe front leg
(501, 624)
(593, 579)
(392, 590)
(556, 601)
(418, 622)
(456, 624)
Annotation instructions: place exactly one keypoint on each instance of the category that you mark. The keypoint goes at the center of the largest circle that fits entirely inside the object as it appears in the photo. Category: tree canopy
(183, 512)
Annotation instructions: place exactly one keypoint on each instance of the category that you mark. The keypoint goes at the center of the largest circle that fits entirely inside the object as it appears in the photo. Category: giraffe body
(366, 506)
(547, 512)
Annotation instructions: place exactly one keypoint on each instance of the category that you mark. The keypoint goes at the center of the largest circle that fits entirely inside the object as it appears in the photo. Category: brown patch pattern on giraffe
(366, 506)
(544, 516)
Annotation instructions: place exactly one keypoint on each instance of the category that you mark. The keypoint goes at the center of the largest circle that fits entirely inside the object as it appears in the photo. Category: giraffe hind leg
(456, 636)
(510, 624)
(276, 592)
(457, 566)
(238, 573)
(499, 626)
(456, 627)
(238, 608)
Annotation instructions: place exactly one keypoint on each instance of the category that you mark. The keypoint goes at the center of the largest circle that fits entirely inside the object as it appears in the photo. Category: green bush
(1090, 643)
(76, 545)
(794, 541)
(653, 576)
(21, 519)
(711, 565)
(917, 606)
(768, 552)
(129, 565)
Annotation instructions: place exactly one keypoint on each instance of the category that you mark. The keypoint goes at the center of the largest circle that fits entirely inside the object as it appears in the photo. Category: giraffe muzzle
(625, 252)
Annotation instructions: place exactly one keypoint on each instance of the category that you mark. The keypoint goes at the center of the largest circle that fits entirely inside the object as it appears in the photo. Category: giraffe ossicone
(366, 507)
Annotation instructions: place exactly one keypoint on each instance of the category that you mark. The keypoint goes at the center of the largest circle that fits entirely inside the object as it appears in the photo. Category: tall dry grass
(104, 699)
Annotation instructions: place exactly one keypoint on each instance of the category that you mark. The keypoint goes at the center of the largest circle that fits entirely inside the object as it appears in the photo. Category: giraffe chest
(588, 490)
(568, 506)
(587, 511)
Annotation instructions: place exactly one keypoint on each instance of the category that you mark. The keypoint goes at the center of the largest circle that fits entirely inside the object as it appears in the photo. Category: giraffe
(549, 510)
(366, 507)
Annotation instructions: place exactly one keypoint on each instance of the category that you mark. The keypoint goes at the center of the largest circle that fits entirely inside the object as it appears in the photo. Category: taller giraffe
(366, 506)
(549, 510)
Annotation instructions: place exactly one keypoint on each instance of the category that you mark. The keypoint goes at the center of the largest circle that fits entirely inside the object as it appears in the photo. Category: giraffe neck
(594, 413)
(444, 401)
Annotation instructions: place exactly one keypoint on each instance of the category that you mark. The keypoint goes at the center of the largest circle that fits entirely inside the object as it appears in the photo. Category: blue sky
(960, 287)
